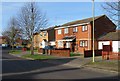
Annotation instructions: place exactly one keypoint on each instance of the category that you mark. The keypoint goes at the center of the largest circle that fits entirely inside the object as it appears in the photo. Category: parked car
(4, 45)
(0, 45)
(48, 47)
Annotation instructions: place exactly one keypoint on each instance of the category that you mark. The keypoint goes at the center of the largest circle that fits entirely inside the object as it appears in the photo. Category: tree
(12, 32)
(113, 10)
(31, 20)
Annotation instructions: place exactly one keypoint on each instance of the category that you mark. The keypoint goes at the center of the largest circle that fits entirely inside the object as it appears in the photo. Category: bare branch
(31, 20)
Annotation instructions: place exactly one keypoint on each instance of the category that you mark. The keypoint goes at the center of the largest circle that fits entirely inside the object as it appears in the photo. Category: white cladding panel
(43, 44)
(115, 45)
(103, 43)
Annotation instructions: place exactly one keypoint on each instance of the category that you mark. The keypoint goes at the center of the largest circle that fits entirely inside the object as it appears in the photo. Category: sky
(57, 13)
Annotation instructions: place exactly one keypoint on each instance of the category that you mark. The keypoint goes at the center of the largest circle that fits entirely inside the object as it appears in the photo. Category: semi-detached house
(44, 38)
(77, 35)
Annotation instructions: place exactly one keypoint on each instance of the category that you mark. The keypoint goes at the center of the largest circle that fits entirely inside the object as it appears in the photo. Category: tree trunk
(32, 46)
(12, 46)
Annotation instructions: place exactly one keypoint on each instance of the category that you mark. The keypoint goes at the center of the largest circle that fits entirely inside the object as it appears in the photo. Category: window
(66, 30)
(60, 43)
(83, 43)
(59, 31)
(67, 44)
(75, 29)
(40, 35)
(84, 28)
(40, 44)
(45, 33)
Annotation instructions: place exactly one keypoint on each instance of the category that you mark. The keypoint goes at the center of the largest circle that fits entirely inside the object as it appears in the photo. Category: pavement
(78, 61)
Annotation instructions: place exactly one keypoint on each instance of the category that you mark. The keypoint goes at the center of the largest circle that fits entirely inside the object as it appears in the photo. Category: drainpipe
(93, 31)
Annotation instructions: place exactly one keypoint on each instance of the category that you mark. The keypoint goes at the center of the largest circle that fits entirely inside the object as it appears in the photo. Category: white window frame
(60, 44)
(59, 31)
(67, 44)
(83, 43)
(41, 35)
(45, 33)
(84, 28)
(66, 30)
(75, 29)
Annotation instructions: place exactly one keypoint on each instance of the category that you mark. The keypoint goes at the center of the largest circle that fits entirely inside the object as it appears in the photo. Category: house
(77, 35)
(4, 40)
(44, 38)
(0, 40)
(112, 39)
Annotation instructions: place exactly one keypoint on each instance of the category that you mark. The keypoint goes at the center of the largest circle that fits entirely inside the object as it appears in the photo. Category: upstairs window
(45, 33)
(59, 31)
(84, 28)
(66, 30)
(40, 34)
(75, 29)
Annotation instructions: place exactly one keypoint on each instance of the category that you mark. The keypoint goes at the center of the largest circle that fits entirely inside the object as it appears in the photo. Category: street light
(93, 30)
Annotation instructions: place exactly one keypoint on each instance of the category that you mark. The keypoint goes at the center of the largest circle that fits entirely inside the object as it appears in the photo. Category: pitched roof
(82, 21)
(115, 36)
(3, 37)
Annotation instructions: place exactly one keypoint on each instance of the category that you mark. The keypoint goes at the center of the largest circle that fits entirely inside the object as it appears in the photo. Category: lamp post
(93, 30)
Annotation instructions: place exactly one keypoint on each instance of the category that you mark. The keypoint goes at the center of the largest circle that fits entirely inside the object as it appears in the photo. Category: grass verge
(15, 51)
(37, 56)
(20, 51)
(105, 64)
(74, 54)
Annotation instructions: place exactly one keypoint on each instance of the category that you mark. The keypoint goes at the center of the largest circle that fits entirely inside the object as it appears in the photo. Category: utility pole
(93, 30)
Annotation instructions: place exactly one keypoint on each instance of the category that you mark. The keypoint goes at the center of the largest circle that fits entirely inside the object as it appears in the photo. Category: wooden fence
(89, 53)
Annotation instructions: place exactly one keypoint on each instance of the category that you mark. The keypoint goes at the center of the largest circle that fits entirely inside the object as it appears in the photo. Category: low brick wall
(40, 50)
(89, 53)
(56, 52)
(110, 55)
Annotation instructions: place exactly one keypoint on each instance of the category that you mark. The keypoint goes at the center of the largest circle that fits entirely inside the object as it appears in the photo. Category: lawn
(37, 56)
(74, 54)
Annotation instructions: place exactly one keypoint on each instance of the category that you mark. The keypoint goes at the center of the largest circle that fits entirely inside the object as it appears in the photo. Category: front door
(67, 44)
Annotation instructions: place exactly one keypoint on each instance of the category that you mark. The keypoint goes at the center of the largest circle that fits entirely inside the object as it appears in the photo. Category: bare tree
(12, 31)
(31, 20)
(113, 10)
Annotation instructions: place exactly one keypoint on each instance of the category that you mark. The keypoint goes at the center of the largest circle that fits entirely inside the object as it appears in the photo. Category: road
(17, 68)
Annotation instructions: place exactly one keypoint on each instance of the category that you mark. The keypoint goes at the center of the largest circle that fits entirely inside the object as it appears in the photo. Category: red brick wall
(63, 53)
(110, 55)
(103, 25)
(80, 35)
(57, 52)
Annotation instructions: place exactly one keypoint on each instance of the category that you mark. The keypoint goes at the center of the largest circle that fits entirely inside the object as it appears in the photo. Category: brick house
(3, 40)
(44, 38)
(77, 35)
